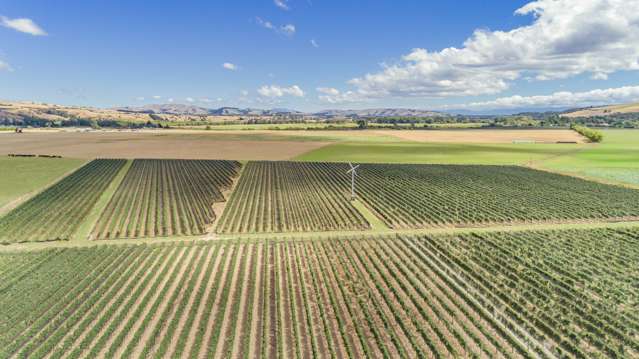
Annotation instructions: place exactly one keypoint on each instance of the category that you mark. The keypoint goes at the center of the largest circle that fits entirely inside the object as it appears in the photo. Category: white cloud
(205, 100)
(333, 96)
(244, 93)
(562, 99)
(328, 91)
(288, 29)
(282, 4)
(277, 91)
(157, 97)
(229, 66)
(170, 100)
(314, 43)
(140, 98)
(23, 25)
(190, 99)
(565, 38)
(219, 99)
(264, 23)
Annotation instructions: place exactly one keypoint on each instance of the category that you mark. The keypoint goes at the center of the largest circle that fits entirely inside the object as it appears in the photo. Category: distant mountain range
(41, 114)
(180, 109)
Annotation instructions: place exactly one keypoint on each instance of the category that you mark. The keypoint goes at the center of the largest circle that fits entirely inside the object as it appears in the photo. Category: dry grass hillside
(51, 112)
(604, 110)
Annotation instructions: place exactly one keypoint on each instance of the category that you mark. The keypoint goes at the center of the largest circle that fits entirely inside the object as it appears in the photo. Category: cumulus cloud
(23, 25)
(282, 4)
(565, 38)
(190, 99)
(157, 97)
(288, 29)
(333, 96)
(273, 91)
(229, 66)
(140, 98)
(314, 43)
(562, 99)
(170, 100)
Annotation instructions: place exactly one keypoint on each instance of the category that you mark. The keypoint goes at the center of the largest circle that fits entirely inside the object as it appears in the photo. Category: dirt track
(155, 144)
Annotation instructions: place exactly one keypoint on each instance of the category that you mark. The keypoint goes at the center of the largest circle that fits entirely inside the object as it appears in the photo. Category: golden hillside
(604, 110)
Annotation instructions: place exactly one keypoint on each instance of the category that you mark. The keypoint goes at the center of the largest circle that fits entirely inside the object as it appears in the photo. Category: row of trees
(589, 133)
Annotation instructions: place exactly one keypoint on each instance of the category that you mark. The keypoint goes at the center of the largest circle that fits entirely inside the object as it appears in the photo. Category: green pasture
(22, 175)
(442, 153)
(615, 159)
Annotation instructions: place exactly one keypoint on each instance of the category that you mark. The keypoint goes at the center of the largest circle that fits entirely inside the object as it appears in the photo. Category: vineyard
(418, 196)
(291, 197)
(521, 294)
(57, 212)
(165, 198)
(573, 293)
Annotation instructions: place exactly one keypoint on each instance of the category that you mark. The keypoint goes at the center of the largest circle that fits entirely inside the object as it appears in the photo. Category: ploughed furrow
(175, 337)
(57, 212)
(188, 345)
(246, 310)
(554, 293)
(232, 310)
(220, 307)
(158, 325)
(159, 198)
(375, 341)
(99, 340)
(257, 309)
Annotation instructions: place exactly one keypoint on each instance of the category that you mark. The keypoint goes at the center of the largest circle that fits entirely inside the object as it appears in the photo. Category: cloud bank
(562, 99)
(565, 38)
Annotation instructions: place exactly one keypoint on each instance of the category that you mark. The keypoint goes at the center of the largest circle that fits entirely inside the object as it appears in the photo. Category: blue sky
(313, 54)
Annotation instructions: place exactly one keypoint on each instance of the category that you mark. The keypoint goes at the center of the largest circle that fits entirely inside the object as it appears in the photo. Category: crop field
(291, 197)
(522, 294)
(22, 176)
(570, 292)
(56, 213)
(166, 197)
(418, 196)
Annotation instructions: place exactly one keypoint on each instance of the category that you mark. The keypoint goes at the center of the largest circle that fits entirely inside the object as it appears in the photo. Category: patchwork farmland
(293, 268)
(166, 198)
(312, 196)
(524, 294)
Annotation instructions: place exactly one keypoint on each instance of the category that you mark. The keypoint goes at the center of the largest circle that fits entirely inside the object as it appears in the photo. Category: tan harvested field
(486, 136)
(156, 144)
